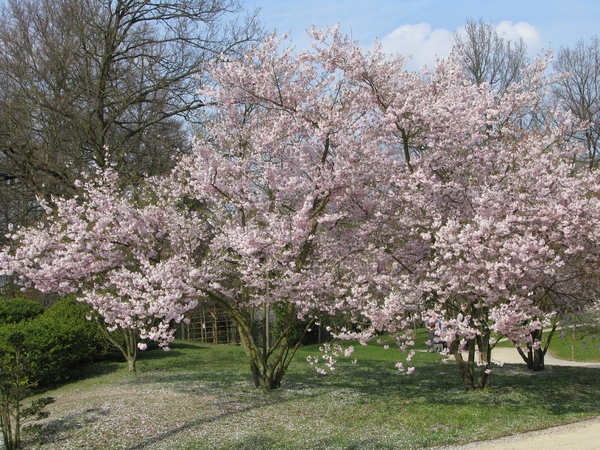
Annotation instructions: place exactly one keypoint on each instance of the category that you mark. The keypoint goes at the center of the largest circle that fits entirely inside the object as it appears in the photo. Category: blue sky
(423, 28)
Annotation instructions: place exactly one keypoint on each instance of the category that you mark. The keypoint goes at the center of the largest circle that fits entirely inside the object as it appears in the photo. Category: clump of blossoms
(119, 252)
(330, 353)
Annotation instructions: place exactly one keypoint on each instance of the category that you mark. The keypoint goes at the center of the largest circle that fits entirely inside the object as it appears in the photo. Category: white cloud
(524, 30)
(420, 42)
(424, 44)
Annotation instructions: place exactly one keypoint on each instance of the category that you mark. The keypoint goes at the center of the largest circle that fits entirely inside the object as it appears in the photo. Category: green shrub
(283, 321)
(59, 341)
(15, 310)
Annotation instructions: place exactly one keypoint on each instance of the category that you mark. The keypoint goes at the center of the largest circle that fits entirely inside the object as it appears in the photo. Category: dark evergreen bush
(283, 320)
(60, 341)
(15, 310)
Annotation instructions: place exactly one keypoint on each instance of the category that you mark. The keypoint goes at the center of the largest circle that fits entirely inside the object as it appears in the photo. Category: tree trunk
(466, 368)
(268, 365)
(127, 345)
(485, 349)
(131, 364)
(267, 373)
(473, 378)
(6, 423)
(534, 358)
(538, 359)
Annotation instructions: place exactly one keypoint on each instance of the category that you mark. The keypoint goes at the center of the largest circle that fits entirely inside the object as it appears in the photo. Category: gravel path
(577, 436)
(511, 356)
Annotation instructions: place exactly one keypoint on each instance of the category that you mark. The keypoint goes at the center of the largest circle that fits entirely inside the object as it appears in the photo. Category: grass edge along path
(201, 396)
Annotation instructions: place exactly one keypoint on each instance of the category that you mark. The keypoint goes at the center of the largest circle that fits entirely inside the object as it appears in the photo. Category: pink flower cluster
(334, 180)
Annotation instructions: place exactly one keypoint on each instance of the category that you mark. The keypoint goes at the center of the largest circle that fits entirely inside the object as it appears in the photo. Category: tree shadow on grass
(184, 381)
(559, 389)
(170, 434)
(232, 407)
(57, 431)
(89, 371)
(231, 394)
(435, 387)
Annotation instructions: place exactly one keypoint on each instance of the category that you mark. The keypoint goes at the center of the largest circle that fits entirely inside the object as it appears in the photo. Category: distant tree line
(89, 84)
(488, 57)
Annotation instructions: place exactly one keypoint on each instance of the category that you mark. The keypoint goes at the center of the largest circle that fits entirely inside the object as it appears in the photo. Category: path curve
(576, 436)
(509, 355)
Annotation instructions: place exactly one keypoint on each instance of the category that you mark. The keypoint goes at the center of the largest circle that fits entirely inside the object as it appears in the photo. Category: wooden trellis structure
(210, 324)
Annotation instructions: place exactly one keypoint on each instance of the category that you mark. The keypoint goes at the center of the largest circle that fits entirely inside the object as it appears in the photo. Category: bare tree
(578, 90)
(489, 57)
(87, 83)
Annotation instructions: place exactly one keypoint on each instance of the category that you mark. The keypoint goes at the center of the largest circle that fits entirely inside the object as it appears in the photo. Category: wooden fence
(210, 325)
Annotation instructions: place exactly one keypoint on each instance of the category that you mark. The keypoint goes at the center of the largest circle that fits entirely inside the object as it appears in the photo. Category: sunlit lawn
(585, 347)
(366, 405)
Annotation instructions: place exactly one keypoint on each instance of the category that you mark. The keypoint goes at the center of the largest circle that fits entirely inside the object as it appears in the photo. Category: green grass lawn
(366, 405)
(586, 346)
